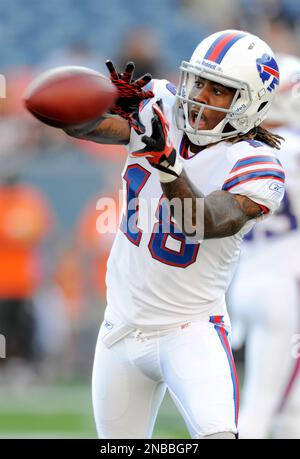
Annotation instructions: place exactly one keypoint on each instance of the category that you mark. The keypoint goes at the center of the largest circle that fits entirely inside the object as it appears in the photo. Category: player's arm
(114, 127)
(219, 214)
(109, 129)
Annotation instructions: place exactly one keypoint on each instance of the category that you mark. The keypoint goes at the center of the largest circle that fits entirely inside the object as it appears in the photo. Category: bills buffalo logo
(268, 71)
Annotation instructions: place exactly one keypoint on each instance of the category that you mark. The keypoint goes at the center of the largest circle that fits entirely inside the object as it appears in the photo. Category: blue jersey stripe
(255, 160)
(253, 175)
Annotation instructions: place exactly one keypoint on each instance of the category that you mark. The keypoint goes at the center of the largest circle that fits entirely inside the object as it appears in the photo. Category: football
(66, 96)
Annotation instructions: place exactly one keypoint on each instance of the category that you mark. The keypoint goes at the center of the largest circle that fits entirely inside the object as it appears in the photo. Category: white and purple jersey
(156, 278)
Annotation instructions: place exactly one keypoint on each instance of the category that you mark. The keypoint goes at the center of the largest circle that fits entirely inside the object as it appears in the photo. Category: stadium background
(46, 393)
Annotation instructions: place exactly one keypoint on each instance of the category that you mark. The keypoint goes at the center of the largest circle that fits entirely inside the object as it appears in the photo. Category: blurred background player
(265, 296)
(144, 49)
(94, 243)
(25, 222)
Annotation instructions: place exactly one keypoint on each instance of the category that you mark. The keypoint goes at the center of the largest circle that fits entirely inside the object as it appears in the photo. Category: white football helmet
(235, 59)
(285, 108)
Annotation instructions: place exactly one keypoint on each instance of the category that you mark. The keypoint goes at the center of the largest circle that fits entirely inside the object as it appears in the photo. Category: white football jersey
(286, 220)
(277, 238)
(157, 279)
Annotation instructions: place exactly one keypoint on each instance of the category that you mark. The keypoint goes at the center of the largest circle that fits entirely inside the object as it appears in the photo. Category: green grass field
(65, 411)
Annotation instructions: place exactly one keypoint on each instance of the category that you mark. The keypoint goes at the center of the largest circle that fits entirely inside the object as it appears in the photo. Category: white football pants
(193, 361)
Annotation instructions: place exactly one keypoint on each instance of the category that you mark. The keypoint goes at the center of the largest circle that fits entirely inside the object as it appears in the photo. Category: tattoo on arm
(222, 214)
(109, 129)
(226, 213)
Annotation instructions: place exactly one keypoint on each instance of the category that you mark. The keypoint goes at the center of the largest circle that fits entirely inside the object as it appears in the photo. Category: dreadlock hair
(261, 134)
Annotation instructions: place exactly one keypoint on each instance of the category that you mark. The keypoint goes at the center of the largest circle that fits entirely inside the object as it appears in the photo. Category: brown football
(66, 96)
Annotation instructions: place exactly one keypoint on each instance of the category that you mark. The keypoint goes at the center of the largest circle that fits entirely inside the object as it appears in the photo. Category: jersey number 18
(136, 178)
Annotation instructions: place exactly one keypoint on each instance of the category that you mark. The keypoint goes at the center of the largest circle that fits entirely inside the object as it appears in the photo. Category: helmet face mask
(253, 94)
(234, 113)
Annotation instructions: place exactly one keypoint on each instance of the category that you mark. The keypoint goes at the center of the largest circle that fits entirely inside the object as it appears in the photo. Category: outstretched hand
(131, 93)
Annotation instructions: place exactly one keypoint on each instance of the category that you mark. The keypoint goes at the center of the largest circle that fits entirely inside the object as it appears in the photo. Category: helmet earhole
(262, 106)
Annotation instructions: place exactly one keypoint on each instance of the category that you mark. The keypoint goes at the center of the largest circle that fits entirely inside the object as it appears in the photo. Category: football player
(200, 155)
(269, 313)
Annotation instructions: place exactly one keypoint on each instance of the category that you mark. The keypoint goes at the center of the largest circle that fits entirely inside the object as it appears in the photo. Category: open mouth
(193, 119)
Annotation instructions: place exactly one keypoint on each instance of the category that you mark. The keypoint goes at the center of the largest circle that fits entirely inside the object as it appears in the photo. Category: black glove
(130, 94)
(159, 149)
